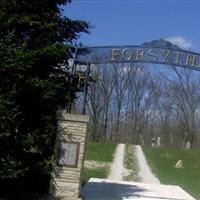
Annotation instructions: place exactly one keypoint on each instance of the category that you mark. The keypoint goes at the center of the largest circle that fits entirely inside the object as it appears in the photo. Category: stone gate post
(69, 156)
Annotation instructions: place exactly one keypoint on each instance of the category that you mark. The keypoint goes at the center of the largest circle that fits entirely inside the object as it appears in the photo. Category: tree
(95, 108)
(99, 103)
(138, 102)
(162, 107)
(35, 41)
(184, 93)
(120, 89)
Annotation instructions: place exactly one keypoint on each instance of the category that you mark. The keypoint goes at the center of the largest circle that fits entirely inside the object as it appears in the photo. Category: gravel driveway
(145, 172)
(117, 167)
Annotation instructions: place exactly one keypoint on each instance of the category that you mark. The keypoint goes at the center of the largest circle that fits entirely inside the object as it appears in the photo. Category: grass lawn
(95, 173)
(130, 163)
(101, 152)
(162, 162)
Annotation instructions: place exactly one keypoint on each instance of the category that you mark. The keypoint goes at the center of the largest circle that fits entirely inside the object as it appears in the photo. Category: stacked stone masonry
(65, 181)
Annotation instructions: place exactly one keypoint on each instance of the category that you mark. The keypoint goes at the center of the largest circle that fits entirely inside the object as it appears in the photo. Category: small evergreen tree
(35, 41)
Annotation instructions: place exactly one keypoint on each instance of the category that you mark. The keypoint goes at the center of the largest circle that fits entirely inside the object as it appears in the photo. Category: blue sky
(133, 22)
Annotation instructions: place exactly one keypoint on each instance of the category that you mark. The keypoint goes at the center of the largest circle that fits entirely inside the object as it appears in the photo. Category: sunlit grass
(100, 152)
(162, 162)
(93, 173)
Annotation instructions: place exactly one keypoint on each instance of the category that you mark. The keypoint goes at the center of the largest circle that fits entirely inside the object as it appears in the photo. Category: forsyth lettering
(155, 55)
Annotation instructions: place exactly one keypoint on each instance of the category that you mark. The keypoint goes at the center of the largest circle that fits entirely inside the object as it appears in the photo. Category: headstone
(158, 142)
(179, 164)
(69, 156)
(188, 145)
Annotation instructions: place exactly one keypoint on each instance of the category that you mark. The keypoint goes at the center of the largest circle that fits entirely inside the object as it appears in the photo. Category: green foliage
(100, 151)
(162, 161)
(93, 173)
(34, 83)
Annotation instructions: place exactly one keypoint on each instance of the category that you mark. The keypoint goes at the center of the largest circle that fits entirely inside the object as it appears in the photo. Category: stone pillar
(69, 156)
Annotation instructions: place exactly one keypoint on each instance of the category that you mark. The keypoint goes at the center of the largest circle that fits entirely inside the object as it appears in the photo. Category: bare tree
(183, 94)
(131, 103)
(138, 101)
(120, 78)
(99, 101)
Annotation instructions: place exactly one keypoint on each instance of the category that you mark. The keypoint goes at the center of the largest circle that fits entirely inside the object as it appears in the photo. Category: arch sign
(157, 51)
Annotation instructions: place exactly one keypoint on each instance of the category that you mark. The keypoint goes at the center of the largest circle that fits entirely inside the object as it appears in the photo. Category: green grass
(162, 162)
(93, 173)
(100, 151)
(130, 163)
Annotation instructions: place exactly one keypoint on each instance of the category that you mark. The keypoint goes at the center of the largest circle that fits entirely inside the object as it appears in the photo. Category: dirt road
(145, 172)
(117, 166)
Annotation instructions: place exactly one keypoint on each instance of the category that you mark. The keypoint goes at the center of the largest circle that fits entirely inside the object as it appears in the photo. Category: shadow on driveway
(104, 189)
(109, 191)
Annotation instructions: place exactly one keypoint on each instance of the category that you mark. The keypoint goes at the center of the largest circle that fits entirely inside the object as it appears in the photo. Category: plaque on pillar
(68, 154)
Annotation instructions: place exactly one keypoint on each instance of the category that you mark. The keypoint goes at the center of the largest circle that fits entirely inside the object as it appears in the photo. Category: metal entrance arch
(156, 52)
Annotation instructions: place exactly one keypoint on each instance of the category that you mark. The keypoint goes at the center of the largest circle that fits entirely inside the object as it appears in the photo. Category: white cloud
(181, 42)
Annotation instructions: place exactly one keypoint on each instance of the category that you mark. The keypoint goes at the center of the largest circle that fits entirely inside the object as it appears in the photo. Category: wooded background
(136, 103)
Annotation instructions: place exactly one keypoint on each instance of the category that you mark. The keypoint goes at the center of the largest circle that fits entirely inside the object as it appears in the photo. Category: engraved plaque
(68, 155)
